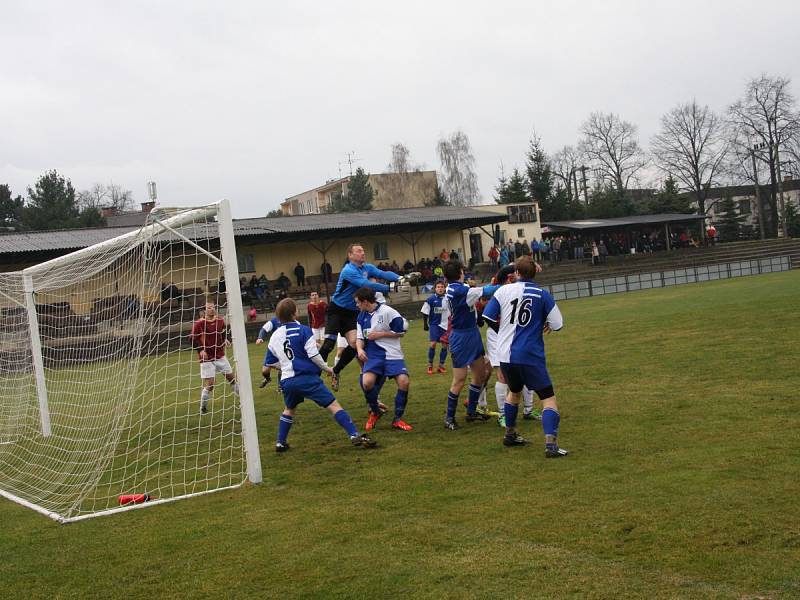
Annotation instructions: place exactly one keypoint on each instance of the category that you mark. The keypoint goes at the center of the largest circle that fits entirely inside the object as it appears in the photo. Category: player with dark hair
(432, 322)
(521, 313)
(342, 312)
(209, 337)
(466, 345)
(293, 351)
(380, 328)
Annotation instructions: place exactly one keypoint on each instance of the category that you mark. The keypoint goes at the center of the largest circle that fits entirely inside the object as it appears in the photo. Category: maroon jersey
(209, 336)
(316, 314)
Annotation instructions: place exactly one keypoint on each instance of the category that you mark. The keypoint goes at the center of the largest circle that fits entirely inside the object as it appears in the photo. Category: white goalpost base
(99, 384)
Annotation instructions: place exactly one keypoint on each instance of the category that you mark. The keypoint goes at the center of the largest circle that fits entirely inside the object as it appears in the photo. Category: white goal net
(100, 387)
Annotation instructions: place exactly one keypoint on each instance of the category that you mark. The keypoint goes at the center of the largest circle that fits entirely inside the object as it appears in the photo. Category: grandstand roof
(275, 229)
(622, 221)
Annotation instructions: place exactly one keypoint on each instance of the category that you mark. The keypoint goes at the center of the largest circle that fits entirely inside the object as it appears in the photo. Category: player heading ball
(521, 313)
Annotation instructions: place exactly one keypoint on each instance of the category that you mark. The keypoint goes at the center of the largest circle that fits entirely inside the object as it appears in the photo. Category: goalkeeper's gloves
(403, 280)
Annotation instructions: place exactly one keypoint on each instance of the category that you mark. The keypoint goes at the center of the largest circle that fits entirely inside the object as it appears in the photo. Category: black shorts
(534, 377)
(339, 320)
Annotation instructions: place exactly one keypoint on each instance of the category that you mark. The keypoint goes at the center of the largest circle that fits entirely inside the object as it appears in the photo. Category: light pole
(758, 192)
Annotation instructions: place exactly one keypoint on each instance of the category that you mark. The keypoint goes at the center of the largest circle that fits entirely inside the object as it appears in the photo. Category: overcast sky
(257, 102)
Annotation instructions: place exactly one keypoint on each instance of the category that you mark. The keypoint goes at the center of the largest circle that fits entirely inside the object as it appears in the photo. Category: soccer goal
(99, 383)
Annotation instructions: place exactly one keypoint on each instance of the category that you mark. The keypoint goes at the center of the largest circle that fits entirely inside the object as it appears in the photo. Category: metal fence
(659, 279)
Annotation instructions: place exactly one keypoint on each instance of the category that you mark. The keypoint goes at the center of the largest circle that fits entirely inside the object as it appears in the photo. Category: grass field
(681, 410)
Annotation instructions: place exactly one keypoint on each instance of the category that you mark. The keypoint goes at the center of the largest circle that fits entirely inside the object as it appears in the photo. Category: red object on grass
(133, 499)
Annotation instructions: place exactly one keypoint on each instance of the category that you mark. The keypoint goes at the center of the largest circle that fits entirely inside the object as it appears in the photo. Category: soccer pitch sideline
(680, 408)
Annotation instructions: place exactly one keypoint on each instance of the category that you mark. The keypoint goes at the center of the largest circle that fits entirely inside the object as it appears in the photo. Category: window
(520, 233)
(246, 263)
(744, 207)
(502, 237)
(525, 213)
(381, 251)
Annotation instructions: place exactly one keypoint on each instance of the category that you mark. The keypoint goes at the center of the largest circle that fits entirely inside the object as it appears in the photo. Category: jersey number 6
(287, 350)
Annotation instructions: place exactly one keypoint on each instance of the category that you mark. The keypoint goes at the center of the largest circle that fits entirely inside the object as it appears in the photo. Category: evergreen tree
(516, 191)
(501, 191)
(729, 222)
(275, 213)
(359, 194)
(51, 204)
(608, 202)
(539, 174)
(669, 199)
(10, 208)
(792, 221)
(438, 198)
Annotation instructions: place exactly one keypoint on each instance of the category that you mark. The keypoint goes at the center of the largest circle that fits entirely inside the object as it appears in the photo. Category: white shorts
(319, 334)
(209, 369)
(491, 348)
(341, 342)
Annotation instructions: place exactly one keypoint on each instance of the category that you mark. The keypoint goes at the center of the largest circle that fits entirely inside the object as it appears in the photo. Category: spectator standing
(494, 254)
(300, 275)
(283, 282)
(327, 272)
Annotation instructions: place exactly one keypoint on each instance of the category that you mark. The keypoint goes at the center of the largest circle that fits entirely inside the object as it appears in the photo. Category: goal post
(100, 387)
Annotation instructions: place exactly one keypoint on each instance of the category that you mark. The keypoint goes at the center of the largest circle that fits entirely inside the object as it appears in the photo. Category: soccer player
(466, 345)
(294, 352)
(504, 276)
(379, 329)
(316, 317)
(521, 313)
(209, 338)
(266, 329)
(432, 322)
(342, 312)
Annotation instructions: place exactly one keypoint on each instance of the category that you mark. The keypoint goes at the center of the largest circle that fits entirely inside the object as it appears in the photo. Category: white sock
(500, 392)
(482, 398)
(204, 396)
(527, 401)
(235, 388)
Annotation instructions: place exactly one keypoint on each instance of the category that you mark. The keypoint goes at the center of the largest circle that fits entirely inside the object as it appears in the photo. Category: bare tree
(766, 116)
(609, 144)
(457, 178)
(105, 196)
(691, 147)
(565, 164)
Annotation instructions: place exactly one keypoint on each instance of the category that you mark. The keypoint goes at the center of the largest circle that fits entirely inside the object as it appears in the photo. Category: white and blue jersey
(354, 277)
(522, 309)
(292, 346)
(433, 309)
(385, 355)
(268, 328)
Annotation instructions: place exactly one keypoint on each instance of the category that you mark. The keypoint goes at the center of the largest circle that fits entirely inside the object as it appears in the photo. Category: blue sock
(431, 354)
(284, 425)
(400, 400)
(379, 384)
(474, 396)
(510, 411)
(452, 404)
(442, 355)
(372, 397)
(345, 422)
(550, 420)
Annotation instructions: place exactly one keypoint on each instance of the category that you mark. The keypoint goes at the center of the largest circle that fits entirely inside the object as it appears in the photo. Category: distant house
(392, 190)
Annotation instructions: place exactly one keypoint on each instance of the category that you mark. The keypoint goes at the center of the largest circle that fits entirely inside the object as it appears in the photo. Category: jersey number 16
(525, 314)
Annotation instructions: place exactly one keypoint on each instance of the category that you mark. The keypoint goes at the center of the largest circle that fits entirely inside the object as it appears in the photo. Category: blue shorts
(385, 368)
(298, 388)
(534, 377)
(435, 333)
(466, 346)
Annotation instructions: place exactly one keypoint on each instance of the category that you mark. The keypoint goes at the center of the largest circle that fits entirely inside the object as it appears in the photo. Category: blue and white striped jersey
(292, 345)
(268, 328)
(385, 318)
(432, 307)
(459, 303)
(354, 277)
(522, 310)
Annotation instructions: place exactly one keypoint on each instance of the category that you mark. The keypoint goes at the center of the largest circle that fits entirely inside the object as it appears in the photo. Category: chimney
(148, 206)
(108, 211)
